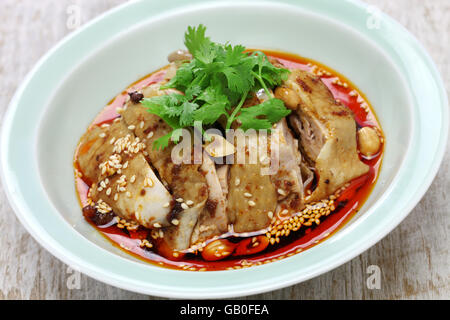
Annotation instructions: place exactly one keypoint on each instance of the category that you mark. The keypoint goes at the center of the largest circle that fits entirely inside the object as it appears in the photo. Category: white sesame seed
(270, 214)
(148, 182)
(248, 195)
(133, 179)
(281, 191)
(184, 206)
(132, 127)
(179, 200)
(116, 197)
(175, 222)
(157, 225)
(189, 202)
(150, 135)
(251, 203)
(102, 135)
(237, 182)
(141, 124)
(108, 192)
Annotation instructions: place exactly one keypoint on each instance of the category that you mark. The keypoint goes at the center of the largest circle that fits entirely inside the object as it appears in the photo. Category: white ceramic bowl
(71, 84)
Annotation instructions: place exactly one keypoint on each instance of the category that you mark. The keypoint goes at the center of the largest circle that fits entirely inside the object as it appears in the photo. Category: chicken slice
(222, 174)
(288, 178)
(95, 148)
(213, 220)
(251, 194)
(185, 181)
(121, 177)
(327, 131)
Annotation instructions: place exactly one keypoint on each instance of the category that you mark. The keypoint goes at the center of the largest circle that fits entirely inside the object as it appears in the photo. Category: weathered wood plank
(414, 259)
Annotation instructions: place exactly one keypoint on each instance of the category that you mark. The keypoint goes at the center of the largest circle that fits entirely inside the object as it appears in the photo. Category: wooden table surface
(414, 259)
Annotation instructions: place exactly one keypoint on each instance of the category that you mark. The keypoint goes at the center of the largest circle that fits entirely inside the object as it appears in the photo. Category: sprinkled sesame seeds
(157, 225)
(251, 203)
(131, 127)
(281, 191)
(306, 218)
(180, 200)
(184, 206)
(237, 182)
(189, 202)
(175, 222)
(102, 207)
(248, 195)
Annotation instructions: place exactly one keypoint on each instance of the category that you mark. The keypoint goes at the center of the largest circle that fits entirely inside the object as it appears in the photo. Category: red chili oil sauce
(347, 204)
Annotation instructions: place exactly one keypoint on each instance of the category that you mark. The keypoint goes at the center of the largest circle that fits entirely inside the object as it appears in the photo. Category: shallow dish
(69, 85)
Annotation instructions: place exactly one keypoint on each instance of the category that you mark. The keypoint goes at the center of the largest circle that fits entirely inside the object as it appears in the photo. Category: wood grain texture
(414, 258)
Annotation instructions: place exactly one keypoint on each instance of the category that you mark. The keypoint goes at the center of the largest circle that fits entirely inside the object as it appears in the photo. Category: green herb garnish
(218, 78)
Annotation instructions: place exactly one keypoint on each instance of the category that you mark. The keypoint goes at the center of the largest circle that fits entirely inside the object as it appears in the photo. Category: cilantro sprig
(216, 83)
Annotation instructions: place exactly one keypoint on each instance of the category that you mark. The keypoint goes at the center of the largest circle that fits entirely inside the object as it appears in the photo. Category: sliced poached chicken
(185, 181)
(327, 131)
(213, 220)
(288, 178)
(121, 178)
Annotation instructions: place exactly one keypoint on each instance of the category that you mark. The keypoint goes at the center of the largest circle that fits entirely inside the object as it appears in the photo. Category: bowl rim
(24, 213)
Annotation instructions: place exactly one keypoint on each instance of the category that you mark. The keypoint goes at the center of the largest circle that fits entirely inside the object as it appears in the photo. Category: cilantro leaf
(210, 113)
(219, 77)
(187, 113)
(199, 45)
(162, 142)
(263, 115)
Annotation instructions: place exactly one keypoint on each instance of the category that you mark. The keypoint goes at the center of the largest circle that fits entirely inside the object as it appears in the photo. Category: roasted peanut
(251, 246)
(368, 141)
(289, 97)
(179, 55)
(218, 250)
